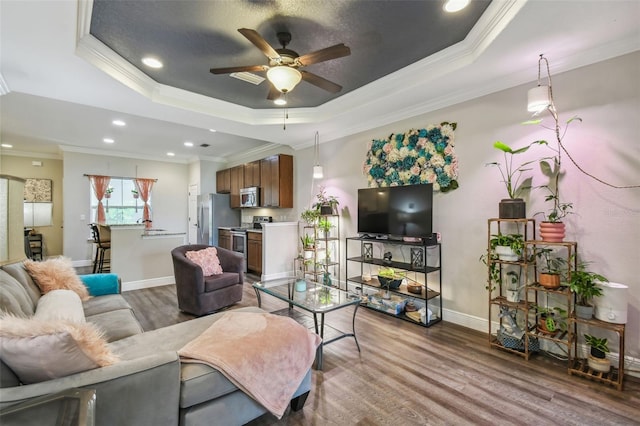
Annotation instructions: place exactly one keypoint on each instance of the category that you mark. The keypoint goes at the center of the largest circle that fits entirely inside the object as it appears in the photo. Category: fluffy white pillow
(207, 259)
(55, 274)
(60, 305)
(38, 350)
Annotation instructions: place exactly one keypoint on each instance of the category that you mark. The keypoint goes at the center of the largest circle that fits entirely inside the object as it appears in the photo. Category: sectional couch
(148, 385)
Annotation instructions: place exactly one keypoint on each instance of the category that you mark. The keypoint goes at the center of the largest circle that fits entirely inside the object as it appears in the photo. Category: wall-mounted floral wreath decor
(418, 156)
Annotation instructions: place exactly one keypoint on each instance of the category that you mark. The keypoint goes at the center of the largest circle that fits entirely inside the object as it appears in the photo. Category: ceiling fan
(283, 70)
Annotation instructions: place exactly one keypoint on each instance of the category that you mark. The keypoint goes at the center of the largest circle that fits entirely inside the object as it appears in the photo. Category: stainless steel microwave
(250, 197)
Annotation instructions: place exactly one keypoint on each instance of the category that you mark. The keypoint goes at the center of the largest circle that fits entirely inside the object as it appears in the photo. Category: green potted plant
(307, 242)
(551, 320)
(598, 353)
(513, 286)
(508, 247)
(513, 207)
(326, 204)
(310, 216)
(135, 193)
(390, 278)
(552, 229)
(325, 226)
(108, 192)
(551, 268)
(584, 284)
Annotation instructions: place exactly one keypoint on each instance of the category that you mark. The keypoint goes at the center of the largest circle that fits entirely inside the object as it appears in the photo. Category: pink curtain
(144, 189)
(100, 185)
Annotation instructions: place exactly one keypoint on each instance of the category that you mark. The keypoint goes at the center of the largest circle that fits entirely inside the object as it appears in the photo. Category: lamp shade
(317, 172)
(284, 78)
(538, 99)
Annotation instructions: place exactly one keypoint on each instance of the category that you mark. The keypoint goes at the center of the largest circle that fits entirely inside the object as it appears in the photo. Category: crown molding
(122, 154)
(30, 154)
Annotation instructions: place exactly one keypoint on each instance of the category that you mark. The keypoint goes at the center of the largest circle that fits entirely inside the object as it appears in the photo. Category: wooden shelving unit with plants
(548, 295)
(321, 249)
(506, 285)
(579, 365)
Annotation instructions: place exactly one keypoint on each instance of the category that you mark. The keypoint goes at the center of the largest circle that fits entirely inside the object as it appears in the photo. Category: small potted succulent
(135, 194)
(107, 193)
(598, 353)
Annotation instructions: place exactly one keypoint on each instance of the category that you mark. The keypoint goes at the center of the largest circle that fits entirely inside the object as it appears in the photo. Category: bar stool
(101, 263)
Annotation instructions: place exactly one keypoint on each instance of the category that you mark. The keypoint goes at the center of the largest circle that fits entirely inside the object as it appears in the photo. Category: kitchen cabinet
(223, 181)
(276, 181)
(237, 181)
(254, 252)
(252, 174)
(224, 238)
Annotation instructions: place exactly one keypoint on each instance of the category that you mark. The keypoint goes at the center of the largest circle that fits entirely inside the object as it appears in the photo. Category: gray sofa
(149, 385)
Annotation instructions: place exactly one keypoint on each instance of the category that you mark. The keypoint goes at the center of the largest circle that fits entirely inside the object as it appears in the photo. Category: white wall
(606, 222)
(169, 196)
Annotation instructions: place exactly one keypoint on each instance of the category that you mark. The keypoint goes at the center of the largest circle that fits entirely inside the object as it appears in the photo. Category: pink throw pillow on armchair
(207, 259)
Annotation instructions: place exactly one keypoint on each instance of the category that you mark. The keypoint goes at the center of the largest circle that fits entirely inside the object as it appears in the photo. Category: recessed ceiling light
(6, 145)
(455, 5)
(189, 144)
(152, 62)
(118, 123)
(171, 154)
(108, 140)
(212, 130)
(280, 101)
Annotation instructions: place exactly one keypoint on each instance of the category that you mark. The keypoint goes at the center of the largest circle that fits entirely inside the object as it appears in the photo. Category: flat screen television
(402, 211)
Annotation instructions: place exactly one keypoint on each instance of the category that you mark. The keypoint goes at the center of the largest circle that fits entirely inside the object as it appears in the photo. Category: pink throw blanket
(265, 355)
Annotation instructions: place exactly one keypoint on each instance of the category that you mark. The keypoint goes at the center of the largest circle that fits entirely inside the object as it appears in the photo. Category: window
(121, 207)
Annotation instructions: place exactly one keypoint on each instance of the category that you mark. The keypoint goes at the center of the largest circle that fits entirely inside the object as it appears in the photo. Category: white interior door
(193, 214)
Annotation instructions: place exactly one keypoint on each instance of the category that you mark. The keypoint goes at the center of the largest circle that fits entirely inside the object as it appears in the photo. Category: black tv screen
(405, 211)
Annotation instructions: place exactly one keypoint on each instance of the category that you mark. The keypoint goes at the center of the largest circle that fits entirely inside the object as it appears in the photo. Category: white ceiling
(61, 87)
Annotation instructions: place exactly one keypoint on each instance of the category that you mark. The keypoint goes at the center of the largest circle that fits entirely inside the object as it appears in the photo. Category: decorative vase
(550, 281)
(107, 195)
(513, 296)
(552, 232)
(584, 312)
(301, 285)
(506, 253)
(512, 208)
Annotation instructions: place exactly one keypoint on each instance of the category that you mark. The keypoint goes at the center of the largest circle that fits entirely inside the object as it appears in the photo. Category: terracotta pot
(542, 326)
(552, 232)
(550, 281)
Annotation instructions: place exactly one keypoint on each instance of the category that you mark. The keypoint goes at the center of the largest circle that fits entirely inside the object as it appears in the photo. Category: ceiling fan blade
(248, 68)
(259, 42)
(321, 82)
(333, 52)
(273, 93)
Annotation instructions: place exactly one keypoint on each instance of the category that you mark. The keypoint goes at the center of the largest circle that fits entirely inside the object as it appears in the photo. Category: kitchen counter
(142, 258)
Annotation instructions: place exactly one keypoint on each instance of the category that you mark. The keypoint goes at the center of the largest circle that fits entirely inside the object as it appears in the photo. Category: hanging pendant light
(540, 98)
(317, 169)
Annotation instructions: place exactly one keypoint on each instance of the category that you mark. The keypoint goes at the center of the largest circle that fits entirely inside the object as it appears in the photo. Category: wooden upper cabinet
(276, 181)
(237, 182)
(223, 181)
(252, 174)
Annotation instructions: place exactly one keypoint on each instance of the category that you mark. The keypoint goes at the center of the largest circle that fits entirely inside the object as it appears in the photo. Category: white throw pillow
(60, 305)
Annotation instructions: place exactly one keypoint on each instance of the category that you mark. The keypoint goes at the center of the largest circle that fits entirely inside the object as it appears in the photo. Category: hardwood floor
(443, 375)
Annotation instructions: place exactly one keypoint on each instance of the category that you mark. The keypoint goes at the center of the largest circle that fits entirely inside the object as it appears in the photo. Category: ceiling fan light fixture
(284, 78)
(280, 100)
(455, 5)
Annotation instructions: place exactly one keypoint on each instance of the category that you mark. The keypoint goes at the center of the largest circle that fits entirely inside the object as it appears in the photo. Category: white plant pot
(506, 253)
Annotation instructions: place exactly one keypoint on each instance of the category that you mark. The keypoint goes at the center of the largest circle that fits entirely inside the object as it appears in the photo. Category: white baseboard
(81, 263)
(153, 282)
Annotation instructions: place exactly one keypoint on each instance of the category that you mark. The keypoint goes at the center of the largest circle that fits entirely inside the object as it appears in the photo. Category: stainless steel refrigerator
(214, 212)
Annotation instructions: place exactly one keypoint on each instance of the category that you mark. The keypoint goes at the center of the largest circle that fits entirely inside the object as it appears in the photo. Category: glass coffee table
(315, 298)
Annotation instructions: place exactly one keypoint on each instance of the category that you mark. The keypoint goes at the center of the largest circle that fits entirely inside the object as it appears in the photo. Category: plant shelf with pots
(579, 365)
(508, 307)
(323, 257)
